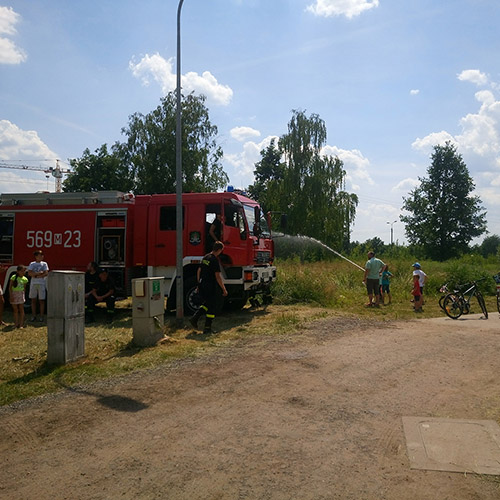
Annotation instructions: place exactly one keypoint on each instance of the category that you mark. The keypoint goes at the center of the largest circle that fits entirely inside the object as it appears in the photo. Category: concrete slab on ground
(451, 445)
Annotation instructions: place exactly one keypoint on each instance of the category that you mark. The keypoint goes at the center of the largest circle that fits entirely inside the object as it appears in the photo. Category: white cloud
(355, 164)
(161, 71)
(481, 130)
(28, 182)
(473, 76)
(348, 8)
(489, 196)
(245, 161)
(16, 143)
(406, 185)
(9, 52)
(372, 220)
(493, 178)
(8, 18)
(427, 143)
(414, 92)
(243, 133)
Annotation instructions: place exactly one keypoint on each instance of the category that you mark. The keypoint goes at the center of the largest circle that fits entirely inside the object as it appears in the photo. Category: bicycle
(444, 290)
(497, 281)
(458, 303)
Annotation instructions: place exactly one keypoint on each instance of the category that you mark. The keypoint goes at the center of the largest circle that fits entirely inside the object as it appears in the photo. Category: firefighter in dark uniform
(215, 231)
(104, 291)
(91, 278)
(209, 285)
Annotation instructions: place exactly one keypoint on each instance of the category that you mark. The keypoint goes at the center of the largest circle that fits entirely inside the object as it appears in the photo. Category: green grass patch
(109, 350)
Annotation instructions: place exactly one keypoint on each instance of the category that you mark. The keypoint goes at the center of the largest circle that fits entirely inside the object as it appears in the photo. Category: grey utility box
(65, 316)
(148, 308)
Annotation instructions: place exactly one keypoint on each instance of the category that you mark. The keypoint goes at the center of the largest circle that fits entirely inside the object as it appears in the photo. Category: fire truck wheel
(191, 297)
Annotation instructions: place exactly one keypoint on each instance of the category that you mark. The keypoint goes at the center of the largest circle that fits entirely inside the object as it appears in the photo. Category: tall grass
(337, 283)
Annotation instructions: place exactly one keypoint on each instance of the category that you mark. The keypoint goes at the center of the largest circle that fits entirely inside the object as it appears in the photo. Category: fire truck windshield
(250, 215)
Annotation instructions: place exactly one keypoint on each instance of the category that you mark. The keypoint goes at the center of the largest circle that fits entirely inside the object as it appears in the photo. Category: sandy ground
(314, 415)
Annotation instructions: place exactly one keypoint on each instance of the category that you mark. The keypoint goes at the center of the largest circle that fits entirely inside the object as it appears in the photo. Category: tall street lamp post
(178, 182)
(392, 231)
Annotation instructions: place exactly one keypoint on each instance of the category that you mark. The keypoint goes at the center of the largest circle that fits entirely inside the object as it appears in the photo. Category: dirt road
(314, 415)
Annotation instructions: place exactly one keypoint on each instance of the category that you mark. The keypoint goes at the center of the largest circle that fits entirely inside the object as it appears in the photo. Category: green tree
(150, 154)
(269, 172)
(146, 162)
(374, 244)
(443, 215)
(297, 179)
(490, 245)
(99, 171)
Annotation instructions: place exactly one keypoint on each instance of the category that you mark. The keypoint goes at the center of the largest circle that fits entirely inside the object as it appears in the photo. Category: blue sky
(390, 78)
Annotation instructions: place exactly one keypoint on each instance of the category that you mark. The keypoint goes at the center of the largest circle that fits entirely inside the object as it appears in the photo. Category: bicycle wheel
(441, 301)
(452, 306)
(480, 299)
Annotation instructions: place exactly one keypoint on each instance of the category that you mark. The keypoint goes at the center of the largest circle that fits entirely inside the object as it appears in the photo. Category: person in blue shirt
(385, 281)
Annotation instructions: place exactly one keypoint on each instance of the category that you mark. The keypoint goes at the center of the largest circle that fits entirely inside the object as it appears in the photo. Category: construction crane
(57, 172)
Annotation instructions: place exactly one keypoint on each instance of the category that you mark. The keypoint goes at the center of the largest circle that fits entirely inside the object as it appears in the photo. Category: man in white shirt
(38, 271)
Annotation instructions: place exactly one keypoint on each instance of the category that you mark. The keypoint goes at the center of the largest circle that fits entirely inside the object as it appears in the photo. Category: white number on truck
(47, 239)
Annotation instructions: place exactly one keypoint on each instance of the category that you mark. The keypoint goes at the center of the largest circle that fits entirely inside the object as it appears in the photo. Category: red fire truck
(135, 236)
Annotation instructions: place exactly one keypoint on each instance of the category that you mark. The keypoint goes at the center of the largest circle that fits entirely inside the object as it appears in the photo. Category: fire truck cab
(135, 236)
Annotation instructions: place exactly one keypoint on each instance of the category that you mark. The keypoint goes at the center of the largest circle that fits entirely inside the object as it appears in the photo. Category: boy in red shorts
(417, 297)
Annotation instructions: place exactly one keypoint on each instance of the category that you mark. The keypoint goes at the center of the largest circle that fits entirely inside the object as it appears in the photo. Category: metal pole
(178, 181)
(392, 231)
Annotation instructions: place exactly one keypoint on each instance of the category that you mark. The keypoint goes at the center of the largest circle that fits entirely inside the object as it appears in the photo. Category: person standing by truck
(38, 271)
(210, 285)
(17, 289)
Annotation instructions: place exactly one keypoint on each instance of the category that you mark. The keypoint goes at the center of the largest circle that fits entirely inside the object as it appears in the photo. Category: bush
(298, 282)
(471, 268)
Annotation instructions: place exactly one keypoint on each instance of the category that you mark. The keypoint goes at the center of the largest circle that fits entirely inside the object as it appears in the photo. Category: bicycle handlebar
(471, 283)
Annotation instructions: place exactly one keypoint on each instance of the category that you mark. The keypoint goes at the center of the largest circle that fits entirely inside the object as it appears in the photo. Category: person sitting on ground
(104, 291)
(91, 278)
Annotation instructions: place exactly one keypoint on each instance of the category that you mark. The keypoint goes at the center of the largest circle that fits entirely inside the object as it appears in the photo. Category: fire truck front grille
(263, 257)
